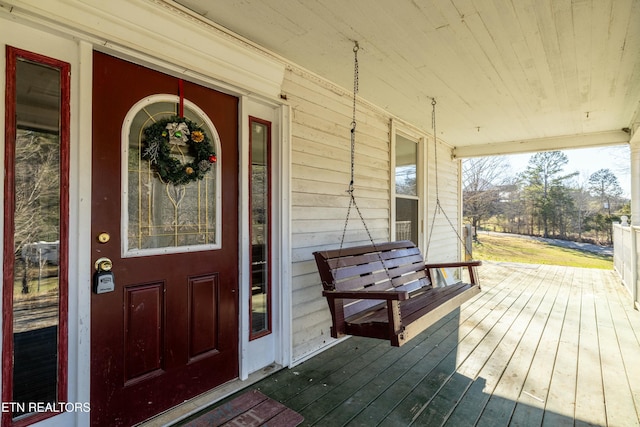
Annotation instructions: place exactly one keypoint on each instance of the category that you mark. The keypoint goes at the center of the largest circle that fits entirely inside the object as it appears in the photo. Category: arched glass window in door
(167, 212)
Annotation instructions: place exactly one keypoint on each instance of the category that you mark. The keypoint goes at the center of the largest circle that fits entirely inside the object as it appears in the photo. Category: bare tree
(35, 192)
(582, 202)
(604, 185)
(483, 178)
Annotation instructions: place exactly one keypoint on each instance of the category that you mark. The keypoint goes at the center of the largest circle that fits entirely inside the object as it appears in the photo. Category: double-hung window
(407, 186)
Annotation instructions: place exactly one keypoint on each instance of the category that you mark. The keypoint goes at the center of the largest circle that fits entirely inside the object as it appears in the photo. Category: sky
(587, 161)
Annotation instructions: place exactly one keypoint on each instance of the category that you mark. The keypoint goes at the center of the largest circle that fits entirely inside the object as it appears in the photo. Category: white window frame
(397, 128)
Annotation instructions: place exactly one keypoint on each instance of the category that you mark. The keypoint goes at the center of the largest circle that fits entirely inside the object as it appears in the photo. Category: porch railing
(625, 256)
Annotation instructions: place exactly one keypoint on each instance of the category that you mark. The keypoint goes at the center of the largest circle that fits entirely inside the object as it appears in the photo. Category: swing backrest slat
(379, 267)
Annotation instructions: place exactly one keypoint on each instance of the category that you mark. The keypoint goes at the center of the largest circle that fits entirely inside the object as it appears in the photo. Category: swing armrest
(470, 265)
(454, 264)
(380, 295)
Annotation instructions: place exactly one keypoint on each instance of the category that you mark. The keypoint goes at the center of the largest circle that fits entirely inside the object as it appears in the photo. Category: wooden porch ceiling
(542, 345)
(508, 76)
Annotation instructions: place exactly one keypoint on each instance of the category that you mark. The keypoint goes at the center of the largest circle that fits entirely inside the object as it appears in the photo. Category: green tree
(544, 185)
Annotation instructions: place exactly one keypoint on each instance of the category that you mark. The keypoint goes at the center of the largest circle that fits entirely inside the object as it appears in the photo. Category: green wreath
(178, 130)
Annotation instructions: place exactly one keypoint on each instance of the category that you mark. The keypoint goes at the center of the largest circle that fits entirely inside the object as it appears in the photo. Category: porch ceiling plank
(501, 71)
(583, 36)
(532, 56)
(600, 54)
(623, 77)
(497, 33)
(566, 66)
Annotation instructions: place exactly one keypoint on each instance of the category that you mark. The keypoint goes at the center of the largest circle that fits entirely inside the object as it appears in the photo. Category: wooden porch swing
(385, 290)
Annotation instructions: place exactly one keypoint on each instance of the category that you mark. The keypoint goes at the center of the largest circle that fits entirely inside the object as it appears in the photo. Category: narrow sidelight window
(35, 237)
(260, 220)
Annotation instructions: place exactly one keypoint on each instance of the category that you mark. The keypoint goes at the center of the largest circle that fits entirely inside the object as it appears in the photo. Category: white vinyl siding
(320, 174)
(445, 245)
(319, 167)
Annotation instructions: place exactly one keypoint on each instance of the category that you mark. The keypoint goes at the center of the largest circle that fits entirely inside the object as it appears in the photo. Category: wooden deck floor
(541, 345)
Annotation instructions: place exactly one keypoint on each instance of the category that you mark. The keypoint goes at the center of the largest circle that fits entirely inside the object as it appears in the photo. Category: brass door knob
(103, 264)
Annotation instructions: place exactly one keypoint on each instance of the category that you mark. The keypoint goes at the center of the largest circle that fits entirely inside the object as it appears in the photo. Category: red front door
(169, 329)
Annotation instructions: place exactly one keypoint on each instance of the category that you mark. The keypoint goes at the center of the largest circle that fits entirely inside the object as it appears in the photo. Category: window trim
(12, 56)
(397, 128)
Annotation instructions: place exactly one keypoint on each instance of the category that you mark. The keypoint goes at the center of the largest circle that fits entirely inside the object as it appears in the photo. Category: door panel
(144, 323)
(169, 330)
(203, 324)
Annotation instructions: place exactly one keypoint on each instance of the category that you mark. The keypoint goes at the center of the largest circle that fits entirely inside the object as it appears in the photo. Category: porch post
(635, 181)
(635, 213)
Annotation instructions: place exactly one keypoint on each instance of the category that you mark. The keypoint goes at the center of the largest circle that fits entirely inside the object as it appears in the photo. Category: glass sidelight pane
(260, 220)
(38, 196)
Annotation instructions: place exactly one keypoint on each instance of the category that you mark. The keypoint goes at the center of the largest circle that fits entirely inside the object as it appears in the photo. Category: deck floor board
(541, 345)
(501, 402)
(589, 388)
(489, 365)
(620, 407)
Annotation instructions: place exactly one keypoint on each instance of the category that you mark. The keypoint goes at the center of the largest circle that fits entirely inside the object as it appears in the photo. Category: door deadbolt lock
(103, 278)
(104, 237)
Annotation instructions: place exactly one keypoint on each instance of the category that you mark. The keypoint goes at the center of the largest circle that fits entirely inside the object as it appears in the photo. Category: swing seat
(387, 292)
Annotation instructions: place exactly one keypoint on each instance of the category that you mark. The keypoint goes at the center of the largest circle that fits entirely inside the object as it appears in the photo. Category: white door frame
(274, 348)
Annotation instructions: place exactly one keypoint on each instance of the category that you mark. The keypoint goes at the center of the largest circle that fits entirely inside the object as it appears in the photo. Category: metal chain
(352, 199)
(438, 207)
(435, 159)
(356, 47)
(435, 144)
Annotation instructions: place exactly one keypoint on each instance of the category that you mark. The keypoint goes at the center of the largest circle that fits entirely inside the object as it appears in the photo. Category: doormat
(248, 410)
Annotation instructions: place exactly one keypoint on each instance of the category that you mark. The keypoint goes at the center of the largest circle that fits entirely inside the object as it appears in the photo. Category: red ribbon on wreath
(181, 94)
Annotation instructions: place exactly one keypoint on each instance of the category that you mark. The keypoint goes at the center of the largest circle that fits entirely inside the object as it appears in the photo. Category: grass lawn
(510, 248)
